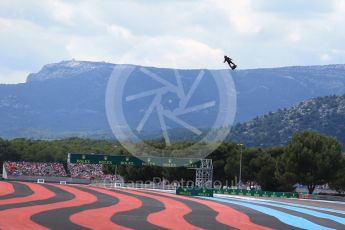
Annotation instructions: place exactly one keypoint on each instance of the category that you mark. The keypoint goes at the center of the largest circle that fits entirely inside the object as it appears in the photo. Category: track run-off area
(25, 205)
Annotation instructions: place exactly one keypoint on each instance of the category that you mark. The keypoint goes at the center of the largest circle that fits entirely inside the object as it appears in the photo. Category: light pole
(240, 177)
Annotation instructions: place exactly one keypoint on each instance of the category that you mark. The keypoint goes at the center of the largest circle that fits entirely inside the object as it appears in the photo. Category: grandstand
(34, 169)
(55, 172)
(86, 171)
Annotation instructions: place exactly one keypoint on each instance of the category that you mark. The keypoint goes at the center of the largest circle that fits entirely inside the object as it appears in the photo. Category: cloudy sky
(180, 33)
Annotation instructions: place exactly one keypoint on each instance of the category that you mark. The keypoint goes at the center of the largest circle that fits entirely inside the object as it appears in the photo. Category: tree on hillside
(219, 158)
(249, 174)
(263, 167)
(285, 179)
(338, 182)
(7, 153)
(311, 159)
(232, 165)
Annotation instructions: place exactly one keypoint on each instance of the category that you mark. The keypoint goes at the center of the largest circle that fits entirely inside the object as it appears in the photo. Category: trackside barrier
(328, 197)
(255, 193)
(195, 191)
(40, 181)
(305, 196)
(187, 191)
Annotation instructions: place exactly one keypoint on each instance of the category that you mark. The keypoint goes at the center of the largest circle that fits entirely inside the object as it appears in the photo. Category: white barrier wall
(69, 180)
(4, 173)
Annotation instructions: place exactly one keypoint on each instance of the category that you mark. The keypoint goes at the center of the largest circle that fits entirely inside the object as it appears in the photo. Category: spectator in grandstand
(34, 169)
(90, 171)
(86, 171)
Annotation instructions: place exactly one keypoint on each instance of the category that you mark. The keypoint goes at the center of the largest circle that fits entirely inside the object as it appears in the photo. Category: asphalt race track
(51, 206)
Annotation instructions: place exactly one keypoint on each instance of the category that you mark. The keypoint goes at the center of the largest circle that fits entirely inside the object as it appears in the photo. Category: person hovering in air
(230, 63)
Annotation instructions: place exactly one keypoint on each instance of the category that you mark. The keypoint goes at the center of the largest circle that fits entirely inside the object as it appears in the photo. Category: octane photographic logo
(146, 103)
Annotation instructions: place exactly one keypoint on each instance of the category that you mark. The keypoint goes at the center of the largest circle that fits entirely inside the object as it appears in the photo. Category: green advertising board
(256, 193)
(133, 161)
(194, 191)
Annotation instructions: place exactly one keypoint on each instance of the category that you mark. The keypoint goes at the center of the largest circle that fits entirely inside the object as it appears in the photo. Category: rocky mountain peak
(66, 69)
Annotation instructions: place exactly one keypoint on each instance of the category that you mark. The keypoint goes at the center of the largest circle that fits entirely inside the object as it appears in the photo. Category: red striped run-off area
(32, 206)
(26, 205)
(6, 188)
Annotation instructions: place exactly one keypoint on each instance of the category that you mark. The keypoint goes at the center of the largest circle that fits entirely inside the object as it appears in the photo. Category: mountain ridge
(321, 114)
(67, 98)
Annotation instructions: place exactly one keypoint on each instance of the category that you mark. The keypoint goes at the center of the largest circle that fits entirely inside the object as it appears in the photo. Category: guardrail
(240, 192)
(255, 193)
(194, 191)
(114, 184)
(328, 197)
(50, 179)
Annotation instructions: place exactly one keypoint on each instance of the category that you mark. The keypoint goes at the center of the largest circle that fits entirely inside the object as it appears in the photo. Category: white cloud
(25, 45)
(11, 76)
(294, 37)
(90, 49)
(167, 51)
(61, 11)
(325, 57)
(295, 8)
(242, 16)
(119, 31)
(256, 33)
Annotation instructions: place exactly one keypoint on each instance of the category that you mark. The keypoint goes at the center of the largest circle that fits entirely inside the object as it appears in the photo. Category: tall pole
(240, 177)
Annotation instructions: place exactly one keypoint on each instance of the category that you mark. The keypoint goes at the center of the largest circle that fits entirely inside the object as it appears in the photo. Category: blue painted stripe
(286, 218)
(338, 219)
(310, 207)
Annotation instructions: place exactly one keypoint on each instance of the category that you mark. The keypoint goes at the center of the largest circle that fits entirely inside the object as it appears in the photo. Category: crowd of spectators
(86, 171)
(90, 171)
(83, 171)
(112, 177)
(34, 169)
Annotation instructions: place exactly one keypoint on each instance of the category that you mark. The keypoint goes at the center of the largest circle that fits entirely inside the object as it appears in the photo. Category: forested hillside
(323, 114)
